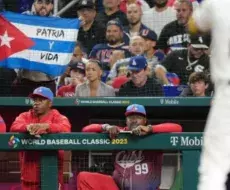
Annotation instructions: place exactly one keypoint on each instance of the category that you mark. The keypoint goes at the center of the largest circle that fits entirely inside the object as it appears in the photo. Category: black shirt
(173, 36)
(177, 62)
(103, 18)
(95, 35)
(151, 88)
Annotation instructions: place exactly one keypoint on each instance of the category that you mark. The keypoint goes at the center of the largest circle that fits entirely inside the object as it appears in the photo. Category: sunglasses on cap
(44, 1)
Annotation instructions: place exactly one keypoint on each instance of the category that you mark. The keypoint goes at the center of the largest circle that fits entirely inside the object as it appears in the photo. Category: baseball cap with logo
(85, 4)
(137, 63)
(77, 65)
(148, 34)
(198, 42)
(42, 92)
(135, 109)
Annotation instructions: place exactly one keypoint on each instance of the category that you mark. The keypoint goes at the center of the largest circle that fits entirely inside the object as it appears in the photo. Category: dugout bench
(191, 113)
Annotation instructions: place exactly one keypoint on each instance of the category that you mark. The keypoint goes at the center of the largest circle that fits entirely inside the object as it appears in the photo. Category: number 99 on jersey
(119, 141)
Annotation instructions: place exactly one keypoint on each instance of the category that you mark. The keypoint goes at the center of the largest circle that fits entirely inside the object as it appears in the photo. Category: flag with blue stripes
(44, 44)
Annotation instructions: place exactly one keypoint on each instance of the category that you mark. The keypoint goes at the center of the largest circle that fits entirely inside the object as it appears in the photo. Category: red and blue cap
(42, 92)
(135, 109)
(137, 63)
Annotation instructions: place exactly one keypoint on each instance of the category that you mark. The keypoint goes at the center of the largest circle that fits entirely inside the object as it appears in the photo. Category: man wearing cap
(91, 32)
(185, 62)
(133, 169)
(114, 38)
(77, 74)
(38, 121)
(140, 84)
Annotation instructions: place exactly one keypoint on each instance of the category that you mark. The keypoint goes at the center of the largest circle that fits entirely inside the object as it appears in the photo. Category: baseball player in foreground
(213, 15)
(136, 169)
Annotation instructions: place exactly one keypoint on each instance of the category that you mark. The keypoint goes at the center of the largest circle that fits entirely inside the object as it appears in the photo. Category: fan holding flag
(39, 45)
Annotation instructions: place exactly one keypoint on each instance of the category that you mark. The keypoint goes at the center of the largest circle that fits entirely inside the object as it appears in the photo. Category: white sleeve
(202, 15)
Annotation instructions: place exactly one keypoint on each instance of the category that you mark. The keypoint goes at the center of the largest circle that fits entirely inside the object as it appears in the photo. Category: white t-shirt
(157, 20)
(214, 15)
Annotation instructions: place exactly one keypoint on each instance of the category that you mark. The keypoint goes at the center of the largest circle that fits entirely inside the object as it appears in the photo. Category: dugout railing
(189, 144)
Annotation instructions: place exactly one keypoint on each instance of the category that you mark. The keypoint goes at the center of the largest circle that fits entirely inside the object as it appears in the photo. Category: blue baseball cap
(137, 63)
(135, 108)
(148, 34)
(115, 22)
(43, 92)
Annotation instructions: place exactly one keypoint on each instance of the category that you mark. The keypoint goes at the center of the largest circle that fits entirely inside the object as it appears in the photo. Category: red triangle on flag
(12, 40)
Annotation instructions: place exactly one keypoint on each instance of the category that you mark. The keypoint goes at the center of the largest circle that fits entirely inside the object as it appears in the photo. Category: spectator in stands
(198, 82)
(77, 74)
(133, 169)
(158, 16)
(78, 55)
(199, 85)
(102, 52)
(41, 8)
(134, 15)
(28, 80)
(153, 56)
(141, 3)
(140, 84)
(91, 31)
(93, 86)
(174, 35)
(37, 121)
(111, 11)
(185, 62)
(2, 125)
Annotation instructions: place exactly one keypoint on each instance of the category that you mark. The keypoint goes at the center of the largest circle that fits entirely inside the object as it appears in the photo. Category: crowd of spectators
(124, 48)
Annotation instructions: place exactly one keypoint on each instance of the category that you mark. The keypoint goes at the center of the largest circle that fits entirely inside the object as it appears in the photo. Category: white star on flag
(5, 40)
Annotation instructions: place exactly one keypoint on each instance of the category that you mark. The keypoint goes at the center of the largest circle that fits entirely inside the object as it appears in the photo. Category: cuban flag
(44, 44)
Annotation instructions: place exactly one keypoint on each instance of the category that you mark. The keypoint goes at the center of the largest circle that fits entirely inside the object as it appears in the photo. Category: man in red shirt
(77, 74)
(2, 125)
(136, 170)
(37, 121)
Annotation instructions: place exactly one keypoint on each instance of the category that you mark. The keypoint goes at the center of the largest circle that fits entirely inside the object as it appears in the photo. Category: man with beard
(135, 26)
(28, 80)
(158, 16)
(37, 121)
(174, 35)
(102, 52)
(185, 62)
(91, 32)
(41, 8)
(135, 169)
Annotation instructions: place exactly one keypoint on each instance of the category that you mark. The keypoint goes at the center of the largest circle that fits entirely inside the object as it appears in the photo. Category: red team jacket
(30, 160)
(138, 169)
(2, 125)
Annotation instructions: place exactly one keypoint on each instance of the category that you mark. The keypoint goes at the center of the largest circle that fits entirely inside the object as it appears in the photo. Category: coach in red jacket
(37, 121)
(2, 125)
(134, 170)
